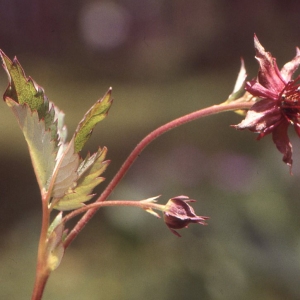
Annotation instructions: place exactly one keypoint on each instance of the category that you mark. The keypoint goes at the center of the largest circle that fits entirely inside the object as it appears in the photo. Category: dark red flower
(278, 104)
(178, 214)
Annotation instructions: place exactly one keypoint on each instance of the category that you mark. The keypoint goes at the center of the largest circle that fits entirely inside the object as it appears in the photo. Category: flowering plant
(66, 180)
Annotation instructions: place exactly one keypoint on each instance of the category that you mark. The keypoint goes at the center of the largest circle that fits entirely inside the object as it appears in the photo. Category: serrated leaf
(21, 89)
(54, 121)
(39, 141)
(55, 162)
(90, 170)
(65, 173)
(24, 89)
(87, 163)
(94, 115)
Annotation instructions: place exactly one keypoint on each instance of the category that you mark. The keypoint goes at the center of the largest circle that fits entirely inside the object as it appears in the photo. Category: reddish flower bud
(178, 214)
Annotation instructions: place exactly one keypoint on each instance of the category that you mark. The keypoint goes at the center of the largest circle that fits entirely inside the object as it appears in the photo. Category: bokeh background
(163, 58)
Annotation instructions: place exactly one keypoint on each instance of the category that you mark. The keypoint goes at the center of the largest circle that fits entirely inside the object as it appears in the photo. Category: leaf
(56, 163)
(55, 223)
(94, 115)
(21, 89)
(61, 128)
(25, 90)
(65, 173)
(41, 122)
(39, 141)
(89, 172)
(55, 248)
(54, 121)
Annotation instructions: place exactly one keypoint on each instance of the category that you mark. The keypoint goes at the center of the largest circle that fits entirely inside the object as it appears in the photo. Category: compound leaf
(56, 163)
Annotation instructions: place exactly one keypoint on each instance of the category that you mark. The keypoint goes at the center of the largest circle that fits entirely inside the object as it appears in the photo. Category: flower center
(290, 100)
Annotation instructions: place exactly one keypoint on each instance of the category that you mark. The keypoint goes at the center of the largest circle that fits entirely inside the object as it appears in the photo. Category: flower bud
(178, 214)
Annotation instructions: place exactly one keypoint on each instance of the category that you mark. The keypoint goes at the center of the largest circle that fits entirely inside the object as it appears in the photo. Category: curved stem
(215, 109)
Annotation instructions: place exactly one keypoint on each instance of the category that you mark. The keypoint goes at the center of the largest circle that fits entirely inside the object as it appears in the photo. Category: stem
(97, 205)
(42, 272)
(215, 109)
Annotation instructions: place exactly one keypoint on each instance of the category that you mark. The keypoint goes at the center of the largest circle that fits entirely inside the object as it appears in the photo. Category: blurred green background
(163, 58)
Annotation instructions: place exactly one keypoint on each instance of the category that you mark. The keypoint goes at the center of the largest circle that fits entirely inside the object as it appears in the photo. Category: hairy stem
(215, 109)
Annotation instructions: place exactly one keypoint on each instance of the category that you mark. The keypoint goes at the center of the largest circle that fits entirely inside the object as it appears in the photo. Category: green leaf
(89, 171)
(55, 248)
(65, 174)
(25, 90)
(95, 114)
(55, 223)
(21, 89)
(39, 141)
(56, 163)
(54, 121)
(60, 127)
(45, 134)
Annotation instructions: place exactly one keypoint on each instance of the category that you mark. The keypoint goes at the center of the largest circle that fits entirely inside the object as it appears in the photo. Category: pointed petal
(282, 142)
(257, 90)
(268, 75)
(262, 117)
(290, 68)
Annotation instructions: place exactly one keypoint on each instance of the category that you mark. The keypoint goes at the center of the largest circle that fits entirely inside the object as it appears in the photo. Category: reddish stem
(39, 286)
(42, 271)
(133, 203)
(140, 147)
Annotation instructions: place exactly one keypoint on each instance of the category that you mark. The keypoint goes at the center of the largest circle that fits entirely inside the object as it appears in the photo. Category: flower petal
(262, 117)
(290, 68)
(268, 74)
(257, 90)
(282, 142)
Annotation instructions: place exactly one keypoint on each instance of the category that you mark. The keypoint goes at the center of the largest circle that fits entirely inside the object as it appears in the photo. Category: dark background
(163, 59)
